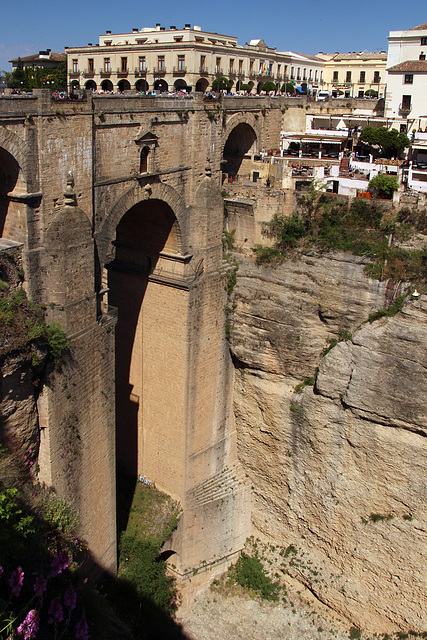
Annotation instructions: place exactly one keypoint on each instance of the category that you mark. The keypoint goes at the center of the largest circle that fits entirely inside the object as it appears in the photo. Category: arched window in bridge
(143, 165)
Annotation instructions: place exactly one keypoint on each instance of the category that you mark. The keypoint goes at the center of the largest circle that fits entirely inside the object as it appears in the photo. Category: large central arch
(146, 282)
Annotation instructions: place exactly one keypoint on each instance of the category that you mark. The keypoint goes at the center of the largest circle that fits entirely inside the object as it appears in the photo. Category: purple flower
(40, 586)
(59, 563)
(70, 599)
(16, 581)
(82, 631)
(55, 611)
(30, 626)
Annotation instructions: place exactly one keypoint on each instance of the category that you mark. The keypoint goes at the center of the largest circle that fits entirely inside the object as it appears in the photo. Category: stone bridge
(128, 258)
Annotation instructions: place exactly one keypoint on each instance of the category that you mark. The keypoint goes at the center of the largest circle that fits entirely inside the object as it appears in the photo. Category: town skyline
(310, 27)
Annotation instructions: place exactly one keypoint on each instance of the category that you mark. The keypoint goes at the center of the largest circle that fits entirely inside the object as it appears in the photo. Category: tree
(18, 76)
(288, 87)
(389, 142)
(268, 86)
(221, 83)
(245, 87)
(371, 93)
(382, 184)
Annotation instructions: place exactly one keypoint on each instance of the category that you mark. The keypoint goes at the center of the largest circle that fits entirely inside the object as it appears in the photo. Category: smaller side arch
(242, 118)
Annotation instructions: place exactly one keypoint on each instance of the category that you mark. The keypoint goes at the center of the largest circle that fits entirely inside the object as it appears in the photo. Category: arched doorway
(150, 342)
(251, 86)
(12, 214)
(201, 85)
(123, 85)
(142, 85)
(143, 159)
(180, 85)
(241, 141)
(161, 86)
(107, 85)
(90, 85)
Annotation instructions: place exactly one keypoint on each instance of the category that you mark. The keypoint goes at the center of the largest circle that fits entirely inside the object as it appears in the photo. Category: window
(406, 103)
(315, 76)
(261, 66)
(143, 164)
(298, 74)
(231, 65)
(422, 56)
(304, 74)
(90, 66)
(218, 65)
(161, 63)
(335, 76)
(361, 93)
(176, 38)
(142, 66)
(348, 76)
(124, 65)
(362, 76)
(423, 41)
(107, 65)
(240, 66)
(409, 78)
(181, 63)
(292, 73)
(377, 76)
(251, 66)
(310, 74)
(75, 66)
(279, 70)
(202, 63)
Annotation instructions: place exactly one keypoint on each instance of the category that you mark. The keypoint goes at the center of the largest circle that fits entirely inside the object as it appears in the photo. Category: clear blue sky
(306, 26)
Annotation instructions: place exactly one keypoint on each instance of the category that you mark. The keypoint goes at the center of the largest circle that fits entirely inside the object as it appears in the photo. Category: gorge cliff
(336, 465)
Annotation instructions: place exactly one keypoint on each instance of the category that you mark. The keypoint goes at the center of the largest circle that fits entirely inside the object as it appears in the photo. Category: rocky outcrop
(337, 469)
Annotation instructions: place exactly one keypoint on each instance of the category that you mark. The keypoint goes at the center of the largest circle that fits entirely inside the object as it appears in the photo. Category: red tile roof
(54, 57)
(410, 65)
(420, 27)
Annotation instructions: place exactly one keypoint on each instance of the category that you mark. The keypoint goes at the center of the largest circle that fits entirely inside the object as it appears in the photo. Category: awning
(323, 140)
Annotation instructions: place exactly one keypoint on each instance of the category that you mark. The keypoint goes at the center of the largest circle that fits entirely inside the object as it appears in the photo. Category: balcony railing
(159, 71)
(104, 73)
(404, 109)
(203, 71)
(140, 73)
(74, 74)
(232, 73)
(88, 74)
(122, 72)
(179, 70)
(219, 71)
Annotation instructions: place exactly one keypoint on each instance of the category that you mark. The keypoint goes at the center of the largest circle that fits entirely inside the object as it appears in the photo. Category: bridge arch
(242, 136)
(145, 274)
(133, 196)
(13, 179)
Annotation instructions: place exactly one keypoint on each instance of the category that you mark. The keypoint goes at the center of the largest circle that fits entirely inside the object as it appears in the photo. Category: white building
(406, 101)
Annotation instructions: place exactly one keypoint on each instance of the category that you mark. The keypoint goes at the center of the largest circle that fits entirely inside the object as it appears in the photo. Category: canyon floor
(227, 612)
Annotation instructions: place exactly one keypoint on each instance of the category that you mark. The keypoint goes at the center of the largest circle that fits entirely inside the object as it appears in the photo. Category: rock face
(337, 469)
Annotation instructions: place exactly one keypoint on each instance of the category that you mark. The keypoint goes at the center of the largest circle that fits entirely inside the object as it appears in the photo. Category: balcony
(231, 73)
(105, 73)
(203, 71)
(74, 74)
(89, 74)
(219, 72)
(179, 71)
(140, 73)
(122, 73)
(405, 108)
(159, 71)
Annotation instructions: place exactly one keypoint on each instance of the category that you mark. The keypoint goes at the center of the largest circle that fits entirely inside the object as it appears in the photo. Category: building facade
(355, 75)
(189, 59)
(407, 78)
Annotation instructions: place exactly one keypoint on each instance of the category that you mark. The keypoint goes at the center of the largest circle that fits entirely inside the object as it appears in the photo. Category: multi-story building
(355, 75)
(43, 59)
(156, 59)
(406, 101)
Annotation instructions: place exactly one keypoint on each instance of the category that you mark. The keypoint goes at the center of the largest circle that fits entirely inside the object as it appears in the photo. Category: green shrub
(394, 308)
(249, 573)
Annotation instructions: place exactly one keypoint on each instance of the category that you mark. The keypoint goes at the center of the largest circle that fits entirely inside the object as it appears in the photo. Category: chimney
(157, 26)
(173, 28)
(187, 26)
(89, 44)
(134, 30)
(108, 33)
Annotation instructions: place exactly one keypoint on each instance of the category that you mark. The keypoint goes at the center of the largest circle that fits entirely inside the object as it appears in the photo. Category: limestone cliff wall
(338, 469)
